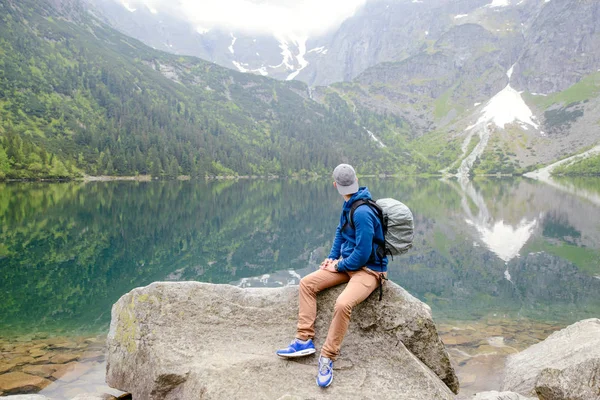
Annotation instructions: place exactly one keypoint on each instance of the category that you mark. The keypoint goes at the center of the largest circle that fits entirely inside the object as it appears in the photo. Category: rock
(22, 383)
(26, 397)
(493, 395)
(453, 340)
(578, 382)
(94, 396)
(35, 353)
(63, 358)
(6, 367)
(71, 371)
(563, 349)
(22, 360)
(93, 355)
(44, 371)
(187, 340)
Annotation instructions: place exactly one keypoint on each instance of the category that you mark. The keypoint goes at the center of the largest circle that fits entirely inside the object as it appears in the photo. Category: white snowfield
(505, 108)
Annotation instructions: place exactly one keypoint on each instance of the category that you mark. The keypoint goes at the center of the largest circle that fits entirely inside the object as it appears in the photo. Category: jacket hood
(362, 194)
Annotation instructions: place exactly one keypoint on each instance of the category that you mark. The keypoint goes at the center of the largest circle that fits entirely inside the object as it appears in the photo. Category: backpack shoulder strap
(381, 250)
(371, 203)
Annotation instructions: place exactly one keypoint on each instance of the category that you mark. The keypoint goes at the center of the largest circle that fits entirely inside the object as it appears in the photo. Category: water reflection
(503, 239)
(499, 246)
(508, 247)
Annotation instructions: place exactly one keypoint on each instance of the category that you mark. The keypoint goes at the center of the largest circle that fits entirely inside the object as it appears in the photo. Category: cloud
(304, 18)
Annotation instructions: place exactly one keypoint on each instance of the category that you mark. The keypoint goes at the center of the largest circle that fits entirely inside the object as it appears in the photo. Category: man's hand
(325, 263)
(329, 265)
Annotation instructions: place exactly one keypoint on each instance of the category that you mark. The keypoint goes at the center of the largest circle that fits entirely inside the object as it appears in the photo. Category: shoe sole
(300, 353)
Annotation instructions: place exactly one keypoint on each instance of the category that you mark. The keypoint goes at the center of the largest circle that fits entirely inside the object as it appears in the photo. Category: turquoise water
(68, 251)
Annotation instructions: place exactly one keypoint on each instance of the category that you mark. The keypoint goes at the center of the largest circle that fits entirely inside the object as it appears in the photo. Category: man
(353, 259)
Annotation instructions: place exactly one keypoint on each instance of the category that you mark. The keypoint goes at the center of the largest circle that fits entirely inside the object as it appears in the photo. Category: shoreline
(149, 178)
(477, 348)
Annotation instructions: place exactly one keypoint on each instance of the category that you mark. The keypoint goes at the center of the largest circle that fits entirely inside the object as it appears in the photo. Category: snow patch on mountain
(319, 50)
(151, 9)
(461, 16)
(498, 3)
(375, 138)
(506, 107)
(510, 71)
(301, 43)
(128, 7)
(233, 39)
(291, 62)
(285, 52)
(242, 68)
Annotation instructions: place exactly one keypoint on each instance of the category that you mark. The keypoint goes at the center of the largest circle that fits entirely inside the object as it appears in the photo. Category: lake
(502, 262)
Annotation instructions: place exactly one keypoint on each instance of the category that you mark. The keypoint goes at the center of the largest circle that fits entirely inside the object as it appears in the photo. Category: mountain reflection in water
(511, 247)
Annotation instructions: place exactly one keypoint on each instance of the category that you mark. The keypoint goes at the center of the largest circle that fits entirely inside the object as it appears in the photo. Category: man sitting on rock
(359, 265)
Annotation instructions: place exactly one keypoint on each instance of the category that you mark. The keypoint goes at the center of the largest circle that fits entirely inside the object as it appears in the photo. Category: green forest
(77, 97)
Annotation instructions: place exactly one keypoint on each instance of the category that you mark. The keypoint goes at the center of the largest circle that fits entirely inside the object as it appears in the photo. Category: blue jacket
(356, 245)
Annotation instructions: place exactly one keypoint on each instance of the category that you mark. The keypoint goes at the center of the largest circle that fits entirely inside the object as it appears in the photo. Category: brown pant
(361, 284)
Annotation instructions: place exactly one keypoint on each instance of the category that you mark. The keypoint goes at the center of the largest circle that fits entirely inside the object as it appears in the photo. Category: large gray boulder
(562, 350)
(493, 395)
(578, 382)
(191, 340)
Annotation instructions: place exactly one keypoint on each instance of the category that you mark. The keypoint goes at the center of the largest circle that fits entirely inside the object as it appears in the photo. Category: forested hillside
(79, 97)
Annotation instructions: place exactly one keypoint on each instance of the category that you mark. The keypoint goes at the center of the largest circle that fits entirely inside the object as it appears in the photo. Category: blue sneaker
(298, 348)
(325, 374)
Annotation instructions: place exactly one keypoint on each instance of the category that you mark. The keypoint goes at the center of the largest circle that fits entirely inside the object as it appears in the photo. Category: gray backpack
(397, 222)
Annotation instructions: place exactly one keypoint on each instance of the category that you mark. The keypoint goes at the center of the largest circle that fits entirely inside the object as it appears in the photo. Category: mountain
(481, 86)
(78, 97)
(277, 55)
(407, 86)
(515, 83)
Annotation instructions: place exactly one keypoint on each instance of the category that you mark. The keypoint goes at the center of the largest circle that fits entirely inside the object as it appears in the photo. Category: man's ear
(334, 184)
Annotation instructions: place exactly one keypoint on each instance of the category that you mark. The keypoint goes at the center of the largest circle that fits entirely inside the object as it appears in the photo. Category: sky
(299, 17)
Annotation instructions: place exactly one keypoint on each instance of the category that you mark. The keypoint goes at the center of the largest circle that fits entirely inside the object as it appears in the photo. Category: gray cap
(345, 179)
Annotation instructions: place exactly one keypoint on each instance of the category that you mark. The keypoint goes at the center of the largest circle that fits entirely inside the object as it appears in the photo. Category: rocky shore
(151, 351)
(479, 349)
(29, 366)
(392, 349)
